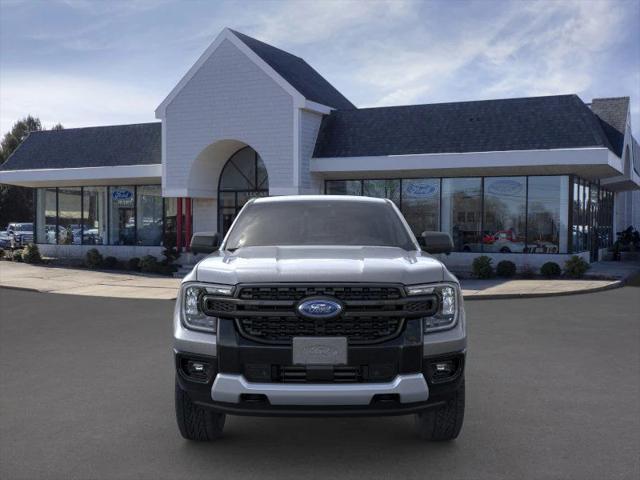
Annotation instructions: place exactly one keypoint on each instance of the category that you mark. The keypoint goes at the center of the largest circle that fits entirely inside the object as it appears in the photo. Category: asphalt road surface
(553, 391)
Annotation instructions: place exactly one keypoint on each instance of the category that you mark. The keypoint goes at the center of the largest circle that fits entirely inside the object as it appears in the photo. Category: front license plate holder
(320, 350)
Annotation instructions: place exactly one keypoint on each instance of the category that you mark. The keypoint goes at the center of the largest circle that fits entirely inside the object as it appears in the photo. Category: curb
(28, 289)
(507, 296)
(24, 289)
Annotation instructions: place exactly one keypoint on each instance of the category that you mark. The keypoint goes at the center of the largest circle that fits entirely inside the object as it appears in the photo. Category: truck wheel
(443, 423)
(196, 422)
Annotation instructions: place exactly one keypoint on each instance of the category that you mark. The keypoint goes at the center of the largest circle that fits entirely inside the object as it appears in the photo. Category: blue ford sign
(122, 194)
(319, 308)
(505, 187)
(422, 189)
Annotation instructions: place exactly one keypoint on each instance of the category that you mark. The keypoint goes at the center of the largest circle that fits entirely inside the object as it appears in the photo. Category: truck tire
(443, 423)
(196, 422)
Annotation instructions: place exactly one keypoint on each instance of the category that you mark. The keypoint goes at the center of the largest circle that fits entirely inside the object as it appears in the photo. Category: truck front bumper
(398, 374)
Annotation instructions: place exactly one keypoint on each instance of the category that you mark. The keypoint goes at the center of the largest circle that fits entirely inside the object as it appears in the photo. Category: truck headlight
(192, 315)
(448, 304)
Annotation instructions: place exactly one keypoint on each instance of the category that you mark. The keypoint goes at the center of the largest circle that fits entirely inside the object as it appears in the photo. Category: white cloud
(315, 21)
(73, 101)
(533, 48)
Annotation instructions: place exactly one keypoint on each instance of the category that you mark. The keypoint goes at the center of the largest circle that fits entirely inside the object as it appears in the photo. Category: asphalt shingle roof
(612, 113)
(298, 73)
(108, 146)
(534, 123)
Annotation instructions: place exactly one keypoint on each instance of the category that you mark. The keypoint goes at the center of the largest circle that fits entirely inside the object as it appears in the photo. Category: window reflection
(149, 215)
(94, 216)
(382, 189)
(421, 204)
(69, 216)
(548, 206)
(462, 212)
(46, 216)
(122, 221)
(344, 187)
(504, 214)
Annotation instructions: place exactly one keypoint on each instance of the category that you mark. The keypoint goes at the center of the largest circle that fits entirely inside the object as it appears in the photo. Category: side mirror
(436, 242)
(205, 242)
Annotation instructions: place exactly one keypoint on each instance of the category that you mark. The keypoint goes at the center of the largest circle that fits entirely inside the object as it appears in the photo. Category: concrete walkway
(76, 281)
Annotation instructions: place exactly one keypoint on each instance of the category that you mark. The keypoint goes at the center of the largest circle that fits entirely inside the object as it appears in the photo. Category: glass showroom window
(149, 215)
(421, 204)
(548, 211)
(94, 215)
(343, 187)
(462, 212)
(505, 203)
(122, 221)
(70, 216)
(46, 215)
(382, 189)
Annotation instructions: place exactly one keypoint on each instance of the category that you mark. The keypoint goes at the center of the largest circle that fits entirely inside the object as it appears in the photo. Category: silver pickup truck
(320, 306)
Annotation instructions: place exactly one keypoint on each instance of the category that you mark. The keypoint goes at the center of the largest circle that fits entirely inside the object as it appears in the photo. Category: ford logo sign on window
(506, 187)
(319, 308)
(422, 189)
(121, 194)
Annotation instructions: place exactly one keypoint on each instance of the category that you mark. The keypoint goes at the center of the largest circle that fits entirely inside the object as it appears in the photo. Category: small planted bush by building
(149, 264)
(551, 270)
(575, 267)
(110, 263)
(506, 269)
(31, 254)
(482, 267)
(93, 258)
(134, 264)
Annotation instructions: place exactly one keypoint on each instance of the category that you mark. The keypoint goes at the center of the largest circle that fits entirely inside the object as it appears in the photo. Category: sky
(84, 63)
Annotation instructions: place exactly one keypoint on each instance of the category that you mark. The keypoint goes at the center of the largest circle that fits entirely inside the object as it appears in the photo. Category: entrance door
(243, 177)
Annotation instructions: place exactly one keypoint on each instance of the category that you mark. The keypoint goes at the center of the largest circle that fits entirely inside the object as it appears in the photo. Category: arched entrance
(243, 177)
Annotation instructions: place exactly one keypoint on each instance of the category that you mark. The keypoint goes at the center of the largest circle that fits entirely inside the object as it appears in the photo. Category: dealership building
(525, 179)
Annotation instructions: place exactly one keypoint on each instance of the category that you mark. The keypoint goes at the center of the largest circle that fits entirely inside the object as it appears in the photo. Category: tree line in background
(16, 203)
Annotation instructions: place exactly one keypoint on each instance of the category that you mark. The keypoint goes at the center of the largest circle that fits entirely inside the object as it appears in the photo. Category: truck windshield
(319, 222)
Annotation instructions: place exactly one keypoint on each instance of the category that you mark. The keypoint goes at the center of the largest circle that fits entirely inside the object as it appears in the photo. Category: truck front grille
(281, 330)
(372, 313)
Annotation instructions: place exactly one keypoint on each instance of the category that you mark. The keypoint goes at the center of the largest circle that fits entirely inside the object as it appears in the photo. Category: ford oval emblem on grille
(319, 308)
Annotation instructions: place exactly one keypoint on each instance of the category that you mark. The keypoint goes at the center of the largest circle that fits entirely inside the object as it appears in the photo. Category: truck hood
(320, 264)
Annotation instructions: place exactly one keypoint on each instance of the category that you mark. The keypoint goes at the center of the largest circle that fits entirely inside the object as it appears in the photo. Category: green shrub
(1, 253)
(527, 271)
(551, 270)
(134, 264)
(506, 269)
(31, 254)
(93, 258)
(575, 267)
(482, 267)
(149, 264)
(16, 256)
(110, 263)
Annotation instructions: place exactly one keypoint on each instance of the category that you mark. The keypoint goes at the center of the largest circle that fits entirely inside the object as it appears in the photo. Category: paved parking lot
(553, 389)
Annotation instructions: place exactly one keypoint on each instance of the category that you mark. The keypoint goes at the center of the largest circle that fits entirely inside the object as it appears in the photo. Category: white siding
(309, 127)
(205, 215)
(229, 97)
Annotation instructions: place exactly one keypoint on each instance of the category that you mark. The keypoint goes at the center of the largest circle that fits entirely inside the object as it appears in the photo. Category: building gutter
(60, 177)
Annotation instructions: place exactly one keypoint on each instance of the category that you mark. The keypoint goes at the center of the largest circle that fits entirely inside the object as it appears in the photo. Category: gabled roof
(613, 113)
(109, 146)
(292, 73)
(535, 123)
(298, 73)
